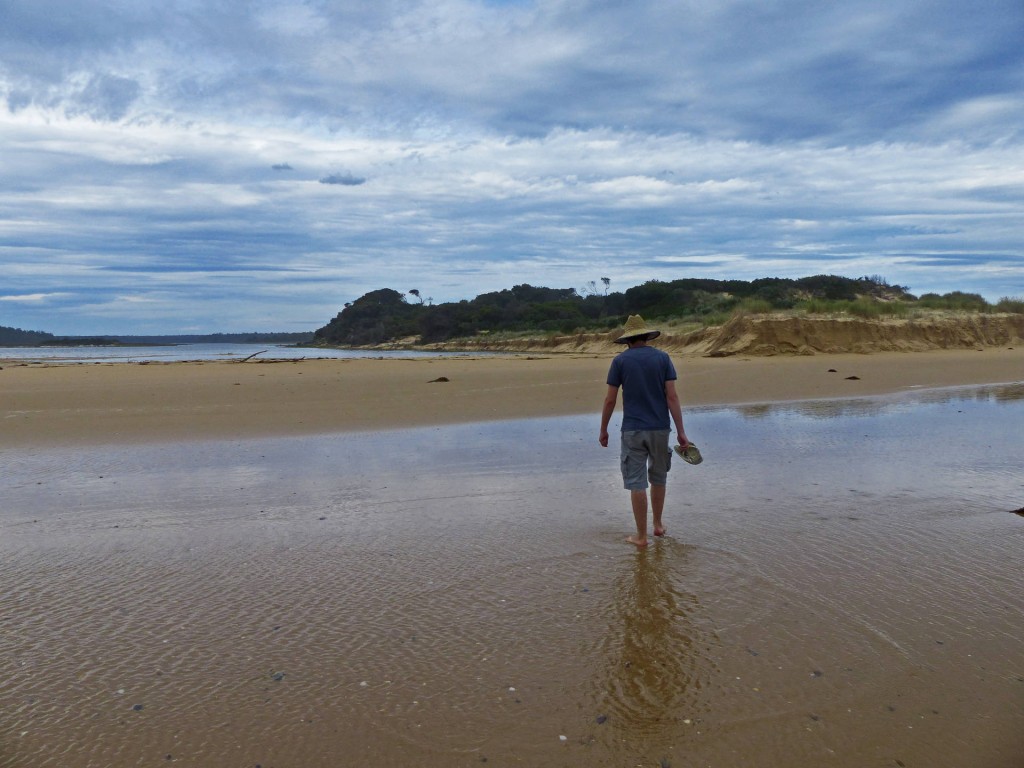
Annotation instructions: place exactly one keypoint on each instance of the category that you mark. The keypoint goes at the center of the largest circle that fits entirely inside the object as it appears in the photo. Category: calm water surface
(841, 586)
(181, 352)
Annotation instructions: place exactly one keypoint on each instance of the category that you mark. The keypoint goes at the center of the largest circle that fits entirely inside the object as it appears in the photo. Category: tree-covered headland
(16, 337)
(388, 316)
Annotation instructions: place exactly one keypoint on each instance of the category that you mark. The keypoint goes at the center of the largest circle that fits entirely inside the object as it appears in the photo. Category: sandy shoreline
(131, 402)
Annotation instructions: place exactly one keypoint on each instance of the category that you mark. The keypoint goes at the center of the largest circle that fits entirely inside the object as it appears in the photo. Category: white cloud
(33, 298)
(292, 19)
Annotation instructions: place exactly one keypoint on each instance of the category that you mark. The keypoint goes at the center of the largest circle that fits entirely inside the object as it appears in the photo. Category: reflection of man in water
(654, 668)
(648, 381)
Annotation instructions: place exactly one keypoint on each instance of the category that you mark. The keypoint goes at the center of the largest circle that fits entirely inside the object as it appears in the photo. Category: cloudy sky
(236, 165)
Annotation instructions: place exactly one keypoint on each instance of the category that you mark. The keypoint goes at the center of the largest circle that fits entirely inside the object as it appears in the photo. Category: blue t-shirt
(642, 373)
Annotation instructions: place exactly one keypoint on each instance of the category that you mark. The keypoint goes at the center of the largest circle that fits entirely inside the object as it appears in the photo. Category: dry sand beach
(342, 563)
(110, 403)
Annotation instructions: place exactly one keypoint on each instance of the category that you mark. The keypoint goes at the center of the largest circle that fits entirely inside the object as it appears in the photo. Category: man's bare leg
(639, 501)
(657, 507)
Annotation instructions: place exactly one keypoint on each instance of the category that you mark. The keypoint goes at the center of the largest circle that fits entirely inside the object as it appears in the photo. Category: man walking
(649, 398)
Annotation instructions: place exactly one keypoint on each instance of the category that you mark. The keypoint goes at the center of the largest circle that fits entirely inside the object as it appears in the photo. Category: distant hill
(15, 337)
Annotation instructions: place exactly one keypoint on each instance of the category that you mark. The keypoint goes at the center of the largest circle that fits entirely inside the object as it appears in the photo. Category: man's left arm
(676, 412)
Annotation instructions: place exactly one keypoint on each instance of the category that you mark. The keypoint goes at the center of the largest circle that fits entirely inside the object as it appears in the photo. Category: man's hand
(603, 439)
(684, 441)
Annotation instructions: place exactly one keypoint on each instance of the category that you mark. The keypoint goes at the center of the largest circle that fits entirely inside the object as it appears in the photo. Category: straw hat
(635, 328)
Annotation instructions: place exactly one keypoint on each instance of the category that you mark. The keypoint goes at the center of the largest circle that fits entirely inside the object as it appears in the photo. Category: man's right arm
(610, 398)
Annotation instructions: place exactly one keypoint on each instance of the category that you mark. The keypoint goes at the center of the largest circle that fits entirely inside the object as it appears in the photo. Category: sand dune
(785, 334)
(768, 335)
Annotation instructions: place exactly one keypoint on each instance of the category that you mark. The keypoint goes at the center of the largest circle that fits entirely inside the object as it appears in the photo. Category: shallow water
(841, 586)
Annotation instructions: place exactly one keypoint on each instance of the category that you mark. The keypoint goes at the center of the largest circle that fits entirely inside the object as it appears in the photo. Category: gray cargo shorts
(645, 457)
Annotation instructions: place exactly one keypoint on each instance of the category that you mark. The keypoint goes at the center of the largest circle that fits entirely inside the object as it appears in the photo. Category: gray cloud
(107, 97)
(343, 179)
(866, 70)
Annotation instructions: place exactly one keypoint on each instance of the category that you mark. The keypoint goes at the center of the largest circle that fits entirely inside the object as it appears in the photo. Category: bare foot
(659, 530)
(637, 541)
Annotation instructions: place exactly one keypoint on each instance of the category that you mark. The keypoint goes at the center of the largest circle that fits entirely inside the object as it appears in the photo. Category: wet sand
(840, 587)
(118, 403)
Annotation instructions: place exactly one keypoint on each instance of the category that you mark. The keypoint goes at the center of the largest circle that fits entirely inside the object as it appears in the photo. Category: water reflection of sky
(866, 406)
(941, 441)
(952, 450)
(954, 443)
